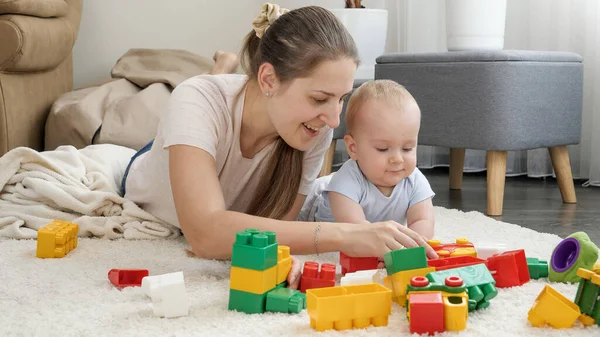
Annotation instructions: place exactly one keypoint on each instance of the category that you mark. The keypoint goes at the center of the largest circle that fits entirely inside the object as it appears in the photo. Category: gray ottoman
(495, 101)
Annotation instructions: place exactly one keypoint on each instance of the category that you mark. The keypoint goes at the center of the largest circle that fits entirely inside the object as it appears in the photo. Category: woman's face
(308, 106)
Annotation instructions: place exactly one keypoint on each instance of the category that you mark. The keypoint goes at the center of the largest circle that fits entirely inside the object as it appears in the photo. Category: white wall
(111, 27)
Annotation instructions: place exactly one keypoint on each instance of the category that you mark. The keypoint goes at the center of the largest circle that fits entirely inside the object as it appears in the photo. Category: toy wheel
(419, 281)
(454, 281)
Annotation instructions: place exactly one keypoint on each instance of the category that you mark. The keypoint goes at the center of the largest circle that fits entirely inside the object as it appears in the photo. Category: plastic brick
(254, 250)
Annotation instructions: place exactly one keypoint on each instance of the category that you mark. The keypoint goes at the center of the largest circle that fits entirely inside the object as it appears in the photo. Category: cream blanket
(81, 186)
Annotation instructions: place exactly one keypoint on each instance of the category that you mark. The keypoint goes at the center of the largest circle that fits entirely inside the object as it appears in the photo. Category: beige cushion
(40, 8)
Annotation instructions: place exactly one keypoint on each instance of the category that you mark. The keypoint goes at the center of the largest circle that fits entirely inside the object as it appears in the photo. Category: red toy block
(426, 312)
(127, 277)
(509, 269)
(313, 278)
(454, 262)
(352, 264)
(461, 247)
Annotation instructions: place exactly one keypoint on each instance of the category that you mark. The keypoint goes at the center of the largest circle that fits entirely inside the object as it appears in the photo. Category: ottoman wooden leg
(562, 168)
(328, 162)
(496, 175)
(457, 163)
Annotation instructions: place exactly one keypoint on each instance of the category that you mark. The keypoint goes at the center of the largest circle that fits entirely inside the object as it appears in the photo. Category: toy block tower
(56, 239)
(253, 270)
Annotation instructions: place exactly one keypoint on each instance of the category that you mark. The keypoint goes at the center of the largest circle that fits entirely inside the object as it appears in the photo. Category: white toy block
(168, 294)
(363, 276)
(487, 249)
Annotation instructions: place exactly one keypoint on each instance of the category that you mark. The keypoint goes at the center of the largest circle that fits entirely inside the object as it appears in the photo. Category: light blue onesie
(350, 181)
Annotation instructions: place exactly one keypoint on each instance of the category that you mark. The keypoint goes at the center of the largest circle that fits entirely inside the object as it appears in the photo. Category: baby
(380, 182)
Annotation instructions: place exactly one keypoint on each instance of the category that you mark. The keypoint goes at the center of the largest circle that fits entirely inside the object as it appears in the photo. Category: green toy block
(285, 300)
(574, 252)
(254, 250)
(405, 259)
(247, 302)
(588, 294)
(282, 285)
(478, 280)
(537, 268)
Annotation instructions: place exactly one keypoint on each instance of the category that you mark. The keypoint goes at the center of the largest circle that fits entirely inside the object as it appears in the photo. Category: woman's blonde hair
(295, 43)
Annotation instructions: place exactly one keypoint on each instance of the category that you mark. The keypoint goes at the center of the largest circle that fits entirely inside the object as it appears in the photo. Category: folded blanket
(81, 186)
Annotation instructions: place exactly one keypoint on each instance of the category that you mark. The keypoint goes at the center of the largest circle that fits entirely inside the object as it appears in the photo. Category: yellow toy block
(346, 307)
(554, 309)
(456, 311)
(284, 263)
(253, 281)
(56, 239)
(399, 281)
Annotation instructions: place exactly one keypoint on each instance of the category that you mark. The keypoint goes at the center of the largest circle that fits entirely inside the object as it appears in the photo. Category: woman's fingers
(294, 274)
(409, 238)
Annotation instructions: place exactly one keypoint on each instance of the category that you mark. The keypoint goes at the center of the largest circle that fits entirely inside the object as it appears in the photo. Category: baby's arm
(345, 209)
(420, 218)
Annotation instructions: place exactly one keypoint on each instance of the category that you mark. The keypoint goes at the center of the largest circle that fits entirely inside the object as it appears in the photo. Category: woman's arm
(210, 229)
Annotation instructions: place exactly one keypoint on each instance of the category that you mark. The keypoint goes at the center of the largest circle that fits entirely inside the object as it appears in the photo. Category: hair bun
(268, 14)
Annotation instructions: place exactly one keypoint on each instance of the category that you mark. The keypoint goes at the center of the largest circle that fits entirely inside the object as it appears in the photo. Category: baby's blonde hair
(376, 90)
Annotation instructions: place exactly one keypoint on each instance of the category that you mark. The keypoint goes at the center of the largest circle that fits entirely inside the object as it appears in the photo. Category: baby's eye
(381, 149)
(408, 150)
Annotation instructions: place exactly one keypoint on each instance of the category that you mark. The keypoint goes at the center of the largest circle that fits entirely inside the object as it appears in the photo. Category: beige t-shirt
(206, 112)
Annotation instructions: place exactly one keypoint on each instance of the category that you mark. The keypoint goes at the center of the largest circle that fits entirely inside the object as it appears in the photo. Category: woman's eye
(320, 100)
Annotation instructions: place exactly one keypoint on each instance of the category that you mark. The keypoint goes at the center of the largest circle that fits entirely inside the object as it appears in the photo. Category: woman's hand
(294, 275)
(378, 238)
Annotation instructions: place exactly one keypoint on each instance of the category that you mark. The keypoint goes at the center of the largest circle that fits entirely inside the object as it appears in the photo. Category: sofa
(36, 65)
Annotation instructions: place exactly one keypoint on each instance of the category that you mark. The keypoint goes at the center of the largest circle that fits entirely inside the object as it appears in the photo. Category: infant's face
(384, 142)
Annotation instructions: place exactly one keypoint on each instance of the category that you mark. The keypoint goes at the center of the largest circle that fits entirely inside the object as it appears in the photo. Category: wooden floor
(529, 202)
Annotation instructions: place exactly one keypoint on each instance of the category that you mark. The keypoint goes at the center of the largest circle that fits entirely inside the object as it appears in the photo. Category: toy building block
(574, 252)
(454, 298)
(462, 247)
(254, 250)
(346, 307)
(285, 300)
(352, 264)
(509, 269)
(455, 262)
(362, 277)
(56, 239)
(485, 249)
(477, 279)
(554, 309)
(168, 294)
(248, 303)
(284, 263)
(588, 296)
(405, 259)
(425, 312)
(127, 277)
(398, 282)
(537, 268)
(253, 281)
(313, 278)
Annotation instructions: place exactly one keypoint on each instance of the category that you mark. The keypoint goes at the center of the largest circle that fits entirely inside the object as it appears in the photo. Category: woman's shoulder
(224, 84)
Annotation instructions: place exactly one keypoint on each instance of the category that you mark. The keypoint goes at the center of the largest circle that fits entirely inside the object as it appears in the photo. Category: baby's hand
(294, 276)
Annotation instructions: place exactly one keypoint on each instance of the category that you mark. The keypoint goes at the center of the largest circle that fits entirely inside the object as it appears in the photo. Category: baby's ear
(350, 146)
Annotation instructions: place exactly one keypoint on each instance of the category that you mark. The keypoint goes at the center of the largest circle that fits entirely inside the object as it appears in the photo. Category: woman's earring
(267, 94)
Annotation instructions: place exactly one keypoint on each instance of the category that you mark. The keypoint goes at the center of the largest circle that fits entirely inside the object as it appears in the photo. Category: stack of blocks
(259, 269)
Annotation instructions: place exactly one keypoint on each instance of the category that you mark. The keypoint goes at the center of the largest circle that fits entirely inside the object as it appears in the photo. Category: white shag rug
(72, 296)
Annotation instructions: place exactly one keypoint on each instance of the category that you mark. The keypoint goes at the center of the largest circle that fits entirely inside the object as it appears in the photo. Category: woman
(241, 151)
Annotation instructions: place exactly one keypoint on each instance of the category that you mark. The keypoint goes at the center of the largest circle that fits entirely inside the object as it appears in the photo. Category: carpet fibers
(73, 297)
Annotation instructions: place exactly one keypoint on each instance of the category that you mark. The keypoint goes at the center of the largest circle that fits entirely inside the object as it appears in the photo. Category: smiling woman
(242, 151)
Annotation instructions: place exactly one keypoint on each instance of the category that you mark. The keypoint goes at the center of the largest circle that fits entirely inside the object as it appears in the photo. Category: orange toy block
(462, 247)
(346, 307)
(56, 239)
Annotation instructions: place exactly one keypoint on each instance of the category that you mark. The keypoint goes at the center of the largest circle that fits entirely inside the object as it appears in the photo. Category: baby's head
(383, 120)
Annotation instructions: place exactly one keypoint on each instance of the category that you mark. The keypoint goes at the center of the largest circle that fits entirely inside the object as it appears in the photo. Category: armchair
(36, 66)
